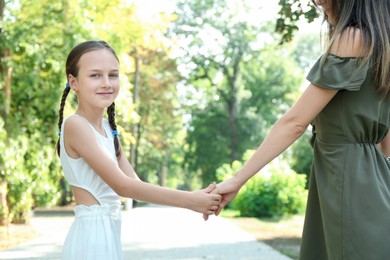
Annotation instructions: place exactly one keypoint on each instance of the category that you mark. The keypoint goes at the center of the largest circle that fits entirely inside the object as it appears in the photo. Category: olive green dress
(348, 210)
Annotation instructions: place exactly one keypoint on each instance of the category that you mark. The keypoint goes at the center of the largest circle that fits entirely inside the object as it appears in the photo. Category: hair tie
(114, 132)
(59, 133)
(67, 85)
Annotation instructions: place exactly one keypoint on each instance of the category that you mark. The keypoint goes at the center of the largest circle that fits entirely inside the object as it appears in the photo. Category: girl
(348, 105)
(94, 164)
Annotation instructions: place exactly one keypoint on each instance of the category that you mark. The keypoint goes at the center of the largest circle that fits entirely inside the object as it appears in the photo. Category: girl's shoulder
(77, 135)
(76, 126)
(349, 43)
(75, 121)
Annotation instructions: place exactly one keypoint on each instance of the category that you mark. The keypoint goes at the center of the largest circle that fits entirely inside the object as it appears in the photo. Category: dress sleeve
(338, 73)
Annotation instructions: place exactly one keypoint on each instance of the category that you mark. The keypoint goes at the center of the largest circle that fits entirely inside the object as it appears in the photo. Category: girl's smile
(105, 94)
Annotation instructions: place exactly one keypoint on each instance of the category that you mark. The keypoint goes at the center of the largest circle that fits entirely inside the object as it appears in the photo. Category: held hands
(228, 189)
(206, 202)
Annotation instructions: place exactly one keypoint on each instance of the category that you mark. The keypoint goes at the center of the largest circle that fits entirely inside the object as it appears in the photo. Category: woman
(348, 105)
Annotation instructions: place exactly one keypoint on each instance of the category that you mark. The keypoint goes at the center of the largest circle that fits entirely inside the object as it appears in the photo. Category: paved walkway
(154, 232)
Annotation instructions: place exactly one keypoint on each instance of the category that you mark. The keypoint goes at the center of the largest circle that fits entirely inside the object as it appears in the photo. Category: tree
(243, 85)
(216, 50)
(207, 140)
(152, 119)
(159, 121)
(37, 39)
(290, 12)
(307, 49)
(5, 74)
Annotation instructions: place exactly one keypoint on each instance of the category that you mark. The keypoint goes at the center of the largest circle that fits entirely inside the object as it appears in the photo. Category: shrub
(28, 174)
(19, 182)
(276, 191)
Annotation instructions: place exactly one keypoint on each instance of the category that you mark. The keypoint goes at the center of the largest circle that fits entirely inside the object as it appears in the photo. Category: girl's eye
(114, 75)
(95, 75)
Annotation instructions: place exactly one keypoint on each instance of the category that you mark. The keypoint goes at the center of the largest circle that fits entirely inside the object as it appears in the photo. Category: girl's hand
(204, 201)
(228, 189)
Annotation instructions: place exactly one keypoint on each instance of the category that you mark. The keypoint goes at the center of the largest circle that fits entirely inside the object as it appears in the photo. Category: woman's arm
(283, 133)
(287, 130)
(81, 139)
(293, 124)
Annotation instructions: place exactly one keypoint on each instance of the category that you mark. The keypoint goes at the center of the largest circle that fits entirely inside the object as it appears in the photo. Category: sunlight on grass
(282, 233)
(230, 213)
(13, 235)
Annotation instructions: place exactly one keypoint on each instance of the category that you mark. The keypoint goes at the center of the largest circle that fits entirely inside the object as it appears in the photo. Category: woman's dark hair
(73, 69)
(372, 18)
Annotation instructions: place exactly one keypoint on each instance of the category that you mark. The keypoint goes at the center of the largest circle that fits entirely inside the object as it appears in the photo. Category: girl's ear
(73, 83)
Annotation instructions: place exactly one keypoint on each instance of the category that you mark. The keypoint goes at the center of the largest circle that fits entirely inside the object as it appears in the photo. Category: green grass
(282, 233)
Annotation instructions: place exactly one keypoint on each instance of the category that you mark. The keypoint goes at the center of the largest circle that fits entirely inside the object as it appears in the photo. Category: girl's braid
(61, 115)
(111, 120)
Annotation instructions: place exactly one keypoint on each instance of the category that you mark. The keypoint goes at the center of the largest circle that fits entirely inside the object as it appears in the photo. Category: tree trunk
(234, 139)
(3, 204)
(232, 111)
(134, 128)
(5, 76)
(164, 170)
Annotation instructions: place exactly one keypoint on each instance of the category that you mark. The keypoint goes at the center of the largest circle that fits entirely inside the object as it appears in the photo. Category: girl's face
(326, 6)
(97, 83)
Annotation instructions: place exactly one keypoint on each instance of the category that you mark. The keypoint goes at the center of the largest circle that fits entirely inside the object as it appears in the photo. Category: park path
(155, 233)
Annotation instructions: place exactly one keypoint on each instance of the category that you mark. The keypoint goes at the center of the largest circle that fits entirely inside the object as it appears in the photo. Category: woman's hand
(228, 189)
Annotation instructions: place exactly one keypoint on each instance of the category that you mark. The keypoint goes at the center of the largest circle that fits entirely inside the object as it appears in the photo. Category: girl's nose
(106, 81)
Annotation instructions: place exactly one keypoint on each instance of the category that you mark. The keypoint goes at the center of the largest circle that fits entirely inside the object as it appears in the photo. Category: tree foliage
(159, 123)
(34, 44)
(35, 40)
(216, 50)
(290, 12)
(244, 80)
(234, 89)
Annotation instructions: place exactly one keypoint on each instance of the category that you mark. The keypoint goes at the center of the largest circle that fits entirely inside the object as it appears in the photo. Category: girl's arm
(126, 167)
(81, 139)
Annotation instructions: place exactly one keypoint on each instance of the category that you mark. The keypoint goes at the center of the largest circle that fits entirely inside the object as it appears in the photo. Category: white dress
(96, 231)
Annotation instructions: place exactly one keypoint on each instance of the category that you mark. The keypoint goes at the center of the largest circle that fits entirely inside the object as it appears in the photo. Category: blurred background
(202, 82)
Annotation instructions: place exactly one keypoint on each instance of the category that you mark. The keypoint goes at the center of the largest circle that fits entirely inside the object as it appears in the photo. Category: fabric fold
(338, 73)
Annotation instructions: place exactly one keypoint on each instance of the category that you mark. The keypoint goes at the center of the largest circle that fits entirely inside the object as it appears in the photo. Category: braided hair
(73, 69)
(111, 121)
(61, 115)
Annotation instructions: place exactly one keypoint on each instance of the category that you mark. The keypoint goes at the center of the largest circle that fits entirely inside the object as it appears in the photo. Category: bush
(28, 173)
(19, 182)
(276, 191)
